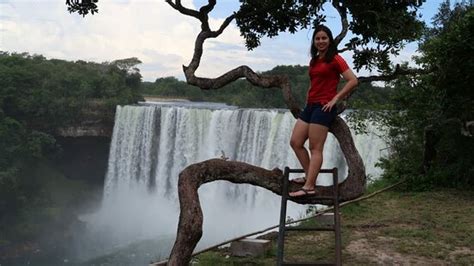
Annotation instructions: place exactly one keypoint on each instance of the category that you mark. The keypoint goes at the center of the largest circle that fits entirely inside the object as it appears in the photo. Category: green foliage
(46, 94)
(38, 96)
(449, 53)
(388, 24)
(257, 19)
(82, 7)
(439, 102)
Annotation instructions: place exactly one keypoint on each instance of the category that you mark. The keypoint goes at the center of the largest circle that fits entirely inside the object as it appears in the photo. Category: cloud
(121, 29)
(161, 37)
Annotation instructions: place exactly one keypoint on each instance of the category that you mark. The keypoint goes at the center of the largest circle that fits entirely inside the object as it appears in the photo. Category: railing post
(281, 229)
(337, 218)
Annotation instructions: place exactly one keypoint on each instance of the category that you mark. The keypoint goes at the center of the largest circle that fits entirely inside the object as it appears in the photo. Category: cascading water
(151, 144)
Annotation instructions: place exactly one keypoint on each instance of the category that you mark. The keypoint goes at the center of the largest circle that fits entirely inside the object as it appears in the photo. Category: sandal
(306, 192)
(299, 180)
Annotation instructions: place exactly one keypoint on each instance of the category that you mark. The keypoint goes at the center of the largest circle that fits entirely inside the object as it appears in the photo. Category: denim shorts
(313, 114)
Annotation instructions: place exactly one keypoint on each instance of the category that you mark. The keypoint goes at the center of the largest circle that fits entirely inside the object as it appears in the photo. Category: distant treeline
(244, 94)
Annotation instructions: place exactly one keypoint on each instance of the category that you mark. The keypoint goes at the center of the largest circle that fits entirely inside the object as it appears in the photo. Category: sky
(155, 33)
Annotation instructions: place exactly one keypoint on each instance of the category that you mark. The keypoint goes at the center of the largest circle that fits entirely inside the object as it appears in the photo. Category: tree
(380, 27)
(431, 124)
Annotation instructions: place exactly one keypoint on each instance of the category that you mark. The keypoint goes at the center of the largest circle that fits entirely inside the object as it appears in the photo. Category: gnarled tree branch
(267, 81)
(399, 71)
(176, 4)
(193, 176)
(208, 8)
(340, 51)
(345, 24)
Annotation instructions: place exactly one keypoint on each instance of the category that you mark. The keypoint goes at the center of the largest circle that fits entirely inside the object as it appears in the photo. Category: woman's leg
(298, 138)
(317, 137)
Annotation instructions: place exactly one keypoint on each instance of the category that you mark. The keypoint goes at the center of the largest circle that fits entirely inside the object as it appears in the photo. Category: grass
(394, 227)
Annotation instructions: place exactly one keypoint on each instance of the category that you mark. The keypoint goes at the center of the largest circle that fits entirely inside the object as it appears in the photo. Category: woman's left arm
(351, 83)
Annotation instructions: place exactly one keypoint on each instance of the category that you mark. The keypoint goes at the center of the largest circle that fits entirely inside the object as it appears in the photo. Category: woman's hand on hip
(328, 107)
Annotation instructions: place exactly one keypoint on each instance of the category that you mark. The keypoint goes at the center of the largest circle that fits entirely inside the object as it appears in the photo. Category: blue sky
(158, 35)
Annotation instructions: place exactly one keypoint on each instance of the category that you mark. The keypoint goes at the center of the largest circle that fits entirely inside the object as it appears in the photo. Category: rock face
(93, 125)
(98, 130)
(84, 158)
(96, 120)
(85, 144)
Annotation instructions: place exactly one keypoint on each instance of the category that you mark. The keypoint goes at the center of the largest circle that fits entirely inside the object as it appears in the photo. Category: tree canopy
(431, 126)
(387, 24)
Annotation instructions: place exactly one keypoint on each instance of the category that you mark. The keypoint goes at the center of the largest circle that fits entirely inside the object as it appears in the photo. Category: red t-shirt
(324, 79)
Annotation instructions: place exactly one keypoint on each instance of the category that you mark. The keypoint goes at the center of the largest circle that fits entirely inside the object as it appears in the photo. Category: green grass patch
(431, 227)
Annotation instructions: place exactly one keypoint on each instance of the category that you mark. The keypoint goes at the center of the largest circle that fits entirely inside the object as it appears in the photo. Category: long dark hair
(332, 49)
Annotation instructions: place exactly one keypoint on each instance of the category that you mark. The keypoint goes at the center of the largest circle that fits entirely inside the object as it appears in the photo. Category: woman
(325, 69)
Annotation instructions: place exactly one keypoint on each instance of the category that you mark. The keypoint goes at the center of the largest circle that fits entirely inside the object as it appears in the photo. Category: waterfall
(151, 144)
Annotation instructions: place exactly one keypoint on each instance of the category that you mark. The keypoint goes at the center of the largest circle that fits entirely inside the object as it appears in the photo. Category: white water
(152, 144)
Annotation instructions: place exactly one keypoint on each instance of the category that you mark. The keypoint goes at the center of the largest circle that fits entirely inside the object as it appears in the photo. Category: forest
(38, 96)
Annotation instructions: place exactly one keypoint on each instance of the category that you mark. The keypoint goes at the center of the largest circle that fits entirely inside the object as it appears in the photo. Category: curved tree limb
(340, 51)
(176, 4)
(345, 24)
(395, 74)
(267, 81)
(209, 7)
(193, 176)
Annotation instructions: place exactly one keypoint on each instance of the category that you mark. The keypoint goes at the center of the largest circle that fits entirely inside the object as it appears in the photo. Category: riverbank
(392, 228)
